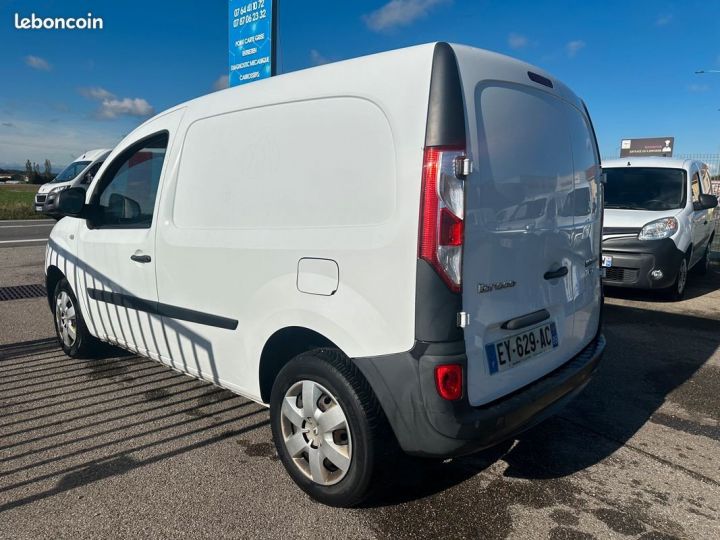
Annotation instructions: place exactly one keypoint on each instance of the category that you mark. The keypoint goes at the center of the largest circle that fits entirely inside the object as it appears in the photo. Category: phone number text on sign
(250, 43)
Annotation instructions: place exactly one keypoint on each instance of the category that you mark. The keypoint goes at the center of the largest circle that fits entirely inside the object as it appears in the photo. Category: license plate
(38, 208)
(607, 261)
(511, 351)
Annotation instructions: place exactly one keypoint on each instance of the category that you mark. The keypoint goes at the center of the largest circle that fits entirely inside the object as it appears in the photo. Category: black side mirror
(705, 202)
(71, 202)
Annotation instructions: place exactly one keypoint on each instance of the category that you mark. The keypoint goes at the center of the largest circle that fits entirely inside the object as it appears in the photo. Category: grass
(16, 202)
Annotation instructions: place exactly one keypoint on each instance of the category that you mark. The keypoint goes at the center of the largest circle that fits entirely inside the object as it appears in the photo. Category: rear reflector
(449, 381)
(441, 220)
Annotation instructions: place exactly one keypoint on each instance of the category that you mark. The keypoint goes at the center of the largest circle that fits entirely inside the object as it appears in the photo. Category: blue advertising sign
(252, 54)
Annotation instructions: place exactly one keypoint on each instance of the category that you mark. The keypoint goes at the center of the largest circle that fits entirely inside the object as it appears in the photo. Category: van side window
(695, 187)
(127, 196)
(92, 171)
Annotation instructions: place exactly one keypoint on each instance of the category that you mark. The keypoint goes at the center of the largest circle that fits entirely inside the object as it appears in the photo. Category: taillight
(449, 381)
(442, 227)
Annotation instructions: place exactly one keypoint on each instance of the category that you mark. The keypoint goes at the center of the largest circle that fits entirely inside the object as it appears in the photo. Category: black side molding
(436, 307)
(163, 310)
(446, 108)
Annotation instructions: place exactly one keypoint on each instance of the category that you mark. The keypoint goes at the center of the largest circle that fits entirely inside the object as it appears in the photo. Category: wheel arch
(53, 276)
(281, 347)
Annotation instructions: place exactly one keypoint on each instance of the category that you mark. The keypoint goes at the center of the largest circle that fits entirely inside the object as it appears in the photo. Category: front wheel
(677, 290)
(328, 427)
(73, 335)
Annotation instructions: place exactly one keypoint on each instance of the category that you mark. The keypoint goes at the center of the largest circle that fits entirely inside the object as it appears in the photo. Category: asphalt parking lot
(122, 446)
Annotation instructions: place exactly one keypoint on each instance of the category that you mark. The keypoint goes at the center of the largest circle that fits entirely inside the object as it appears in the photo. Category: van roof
(299, 79)
(93, 155)
(655, 162)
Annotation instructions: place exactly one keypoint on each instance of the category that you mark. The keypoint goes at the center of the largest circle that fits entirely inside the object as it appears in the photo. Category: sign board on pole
(251, 40)
(659, 146)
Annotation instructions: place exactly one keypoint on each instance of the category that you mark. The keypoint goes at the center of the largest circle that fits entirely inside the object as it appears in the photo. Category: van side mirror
(705, 202)
(71, 202)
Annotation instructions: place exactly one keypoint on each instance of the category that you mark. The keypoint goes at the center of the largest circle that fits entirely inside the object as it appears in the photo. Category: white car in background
(79, 173)
(659, 222)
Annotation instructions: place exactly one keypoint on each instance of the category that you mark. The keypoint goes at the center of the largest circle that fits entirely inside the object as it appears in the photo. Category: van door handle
(560, 272)
(141, 258)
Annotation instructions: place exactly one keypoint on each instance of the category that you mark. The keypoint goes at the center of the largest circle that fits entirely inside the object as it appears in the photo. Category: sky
(633, 62)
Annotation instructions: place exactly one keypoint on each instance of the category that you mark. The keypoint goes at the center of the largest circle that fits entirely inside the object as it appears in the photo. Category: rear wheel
(73, 335)
(677, 290)
(327, 427)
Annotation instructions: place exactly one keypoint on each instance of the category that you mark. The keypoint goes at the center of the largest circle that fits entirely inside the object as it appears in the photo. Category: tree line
(32, 170)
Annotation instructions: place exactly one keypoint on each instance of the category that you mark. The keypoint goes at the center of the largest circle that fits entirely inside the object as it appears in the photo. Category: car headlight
(659, 229)
(58, 189)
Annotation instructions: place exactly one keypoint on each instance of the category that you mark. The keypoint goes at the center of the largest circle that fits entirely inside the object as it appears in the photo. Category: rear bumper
(634, 260)
(426, 425)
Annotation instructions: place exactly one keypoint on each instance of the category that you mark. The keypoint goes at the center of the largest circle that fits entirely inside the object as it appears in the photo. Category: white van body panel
(366, 138)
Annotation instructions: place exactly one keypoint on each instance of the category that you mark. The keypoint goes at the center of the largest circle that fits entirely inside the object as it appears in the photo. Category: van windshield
(645, 188)
(71, 171)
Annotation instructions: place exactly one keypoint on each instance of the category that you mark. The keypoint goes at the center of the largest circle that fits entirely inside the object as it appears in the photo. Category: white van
(659, 222)
(335, 243)
(78, 174)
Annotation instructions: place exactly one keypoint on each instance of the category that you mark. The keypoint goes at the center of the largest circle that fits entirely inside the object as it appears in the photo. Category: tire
(70, 328)
(676, 292)
(703, 265)
(356, 437)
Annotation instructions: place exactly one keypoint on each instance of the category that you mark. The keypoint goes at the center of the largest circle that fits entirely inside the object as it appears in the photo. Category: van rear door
(524, 254)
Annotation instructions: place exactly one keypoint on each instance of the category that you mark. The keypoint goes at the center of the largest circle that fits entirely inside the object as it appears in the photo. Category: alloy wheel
(66, 319)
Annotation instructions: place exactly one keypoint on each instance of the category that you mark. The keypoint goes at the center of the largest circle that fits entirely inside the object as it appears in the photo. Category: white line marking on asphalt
(3, 221)
(23, 226)
(22, 241)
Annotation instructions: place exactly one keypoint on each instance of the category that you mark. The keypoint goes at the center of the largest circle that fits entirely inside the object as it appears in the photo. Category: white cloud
(698, 87)
(112, 108)
(574, 47)
(663, 20)
(517, 41)
(221, 83)
(96, 92)
(318, 59)
(399, 13)
(36, 62)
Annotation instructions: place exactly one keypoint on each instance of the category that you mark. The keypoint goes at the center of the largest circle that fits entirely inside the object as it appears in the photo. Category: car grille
(40, 198)
(621, 275)
(621, 230)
